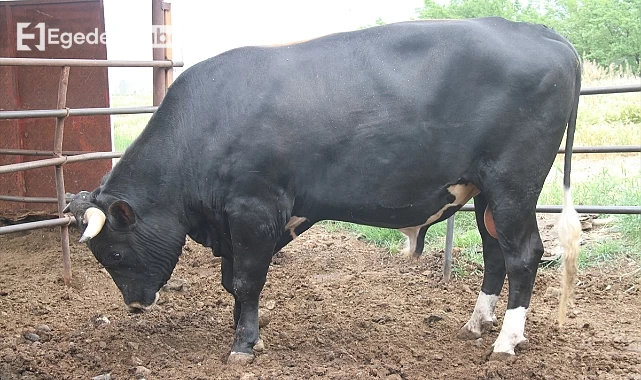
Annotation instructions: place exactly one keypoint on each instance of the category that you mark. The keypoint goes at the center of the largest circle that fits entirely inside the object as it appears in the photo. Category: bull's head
(139, 260)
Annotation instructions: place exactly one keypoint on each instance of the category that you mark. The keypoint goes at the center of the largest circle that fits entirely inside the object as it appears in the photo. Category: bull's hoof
(412, 257)
(509, 355)
(466, 334)
(523, 345)
(259, 346)
(502, 357)
(487, 325)
(240, 358)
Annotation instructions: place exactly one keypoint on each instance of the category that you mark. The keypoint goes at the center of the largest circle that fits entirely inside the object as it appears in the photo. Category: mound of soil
(337, 308)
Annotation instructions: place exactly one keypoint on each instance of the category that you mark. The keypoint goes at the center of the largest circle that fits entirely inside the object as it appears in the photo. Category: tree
(606, 31)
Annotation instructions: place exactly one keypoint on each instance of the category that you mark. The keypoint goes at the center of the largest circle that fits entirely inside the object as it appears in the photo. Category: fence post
(158, 18)
(60, 179)
(449, 243)
(169, 52)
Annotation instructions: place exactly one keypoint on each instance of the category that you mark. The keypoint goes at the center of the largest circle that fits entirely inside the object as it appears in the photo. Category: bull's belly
(423, 212)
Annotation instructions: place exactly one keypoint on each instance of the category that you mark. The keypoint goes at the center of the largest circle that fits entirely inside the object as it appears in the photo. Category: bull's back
(388, 115)
(421, 99)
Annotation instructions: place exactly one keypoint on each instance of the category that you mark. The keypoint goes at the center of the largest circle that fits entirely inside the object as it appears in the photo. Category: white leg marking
(511, 332)
(294, 222)
(482, 317)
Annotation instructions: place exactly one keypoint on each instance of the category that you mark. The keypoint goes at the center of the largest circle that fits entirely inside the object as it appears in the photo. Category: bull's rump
(378, 122)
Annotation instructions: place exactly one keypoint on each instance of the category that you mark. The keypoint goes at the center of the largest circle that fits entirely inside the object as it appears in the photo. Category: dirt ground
(338, 308)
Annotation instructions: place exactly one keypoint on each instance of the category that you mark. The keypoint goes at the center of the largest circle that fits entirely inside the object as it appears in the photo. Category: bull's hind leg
(483, 317)
(522, 247)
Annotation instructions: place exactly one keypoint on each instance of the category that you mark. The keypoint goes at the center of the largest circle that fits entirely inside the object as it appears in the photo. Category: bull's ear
(122, 214)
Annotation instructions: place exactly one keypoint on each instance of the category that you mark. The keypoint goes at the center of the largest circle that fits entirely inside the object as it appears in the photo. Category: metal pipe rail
(605, 149)
(38, 153)
(66, 220)
(33, 114)
(12, 198)
(57, 161)
(87, 62)
(578, 149)
(555, 209)
(603, 90)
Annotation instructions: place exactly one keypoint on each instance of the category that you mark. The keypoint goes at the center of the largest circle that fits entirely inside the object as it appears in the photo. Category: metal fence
(62, 157)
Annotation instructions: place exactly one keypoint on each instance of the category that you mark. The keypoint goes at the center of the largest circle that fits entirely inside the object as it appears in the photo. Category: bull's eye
(116, 256)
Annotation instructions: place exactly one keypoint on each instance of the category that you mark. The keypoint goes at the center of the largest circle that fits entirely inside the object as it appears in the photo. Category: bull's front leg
(227, 276)
(252, 253)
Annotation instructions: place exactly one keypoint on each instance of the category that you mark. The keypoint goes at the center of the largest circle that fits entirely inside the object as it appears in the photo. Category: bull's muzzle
(137, 307)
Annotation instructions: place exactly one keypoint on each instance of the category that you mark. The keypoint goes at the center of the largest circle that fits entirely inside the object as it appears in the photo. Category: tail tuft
(569, 234)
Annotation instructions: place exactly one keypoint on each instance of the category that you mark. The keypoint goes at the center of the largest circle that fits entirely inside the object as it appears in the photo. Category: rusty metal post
(169, 53)
(60, 179)
(157, 19)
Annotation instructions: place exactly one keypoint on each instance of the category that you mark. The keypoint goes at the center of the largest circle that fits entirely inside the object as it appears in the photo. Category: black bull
(396, 126)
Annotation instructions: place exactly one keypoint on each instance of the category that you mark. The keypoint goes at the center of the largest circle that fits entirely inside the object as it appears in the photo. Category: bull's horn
(95, 219)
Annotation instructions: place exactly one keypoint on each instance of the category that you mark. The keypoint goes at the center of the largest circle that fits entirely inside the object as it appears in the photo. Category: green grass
(392, 240)
(612, 119)
(128, 127)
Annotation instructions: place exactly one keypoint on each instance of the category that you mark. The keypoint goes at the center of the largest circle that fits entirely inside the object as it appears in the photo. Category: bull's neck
(149, 175)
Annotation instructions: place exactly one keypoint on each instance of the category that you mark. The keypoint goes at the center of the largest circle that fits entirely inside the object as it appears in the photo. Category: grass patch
(392, 240)
(465, 234)
(128, 127)
(612, 119)
(602, 252)
(466, 238)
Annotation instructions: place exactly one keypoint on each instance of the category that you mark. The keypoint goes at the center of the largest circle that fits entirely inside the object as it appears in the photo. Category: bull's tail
(569, 225)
